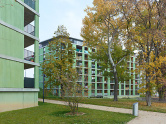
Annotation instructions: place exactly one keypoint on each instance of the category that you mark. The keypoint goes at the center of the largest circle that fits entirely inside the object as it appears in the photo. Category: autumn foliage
(135, 25)
(59, 70)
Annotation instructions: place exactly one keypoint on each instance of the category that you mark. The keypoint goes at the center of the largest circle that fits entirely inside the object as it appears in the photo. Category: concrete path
(144, 117)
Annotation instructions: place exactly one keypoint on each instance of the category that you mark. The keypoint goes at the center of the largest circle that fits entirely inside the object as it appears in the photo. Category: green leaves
(58, 64)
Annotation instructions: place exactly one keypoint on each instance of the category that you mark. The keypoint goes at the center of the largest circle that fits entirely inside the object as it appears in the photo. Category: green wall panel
(11, 74)
(41, 78)
(11, 15)
(17, 100)
(40, 72)
(41, 51)
(11, 43)
(40, 58)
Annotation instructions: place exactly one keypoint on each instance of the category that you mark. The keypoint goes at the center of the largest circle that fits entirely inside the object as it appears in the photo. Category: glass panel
(30, 3)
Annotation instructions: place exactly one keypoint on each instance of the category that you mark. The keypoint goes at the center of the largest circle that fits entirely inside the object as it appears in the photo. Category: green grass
(122, 103)
(55, 114)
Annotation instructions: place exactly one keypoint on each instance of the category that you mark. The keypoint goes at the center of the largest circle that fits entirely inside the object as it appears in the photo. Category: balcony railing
(99, 67)
(79, 57)
(79, 50)
(29, 55)
(30, 3)
(93, 66)
(30, 29)
(77, 42)
(28, 82)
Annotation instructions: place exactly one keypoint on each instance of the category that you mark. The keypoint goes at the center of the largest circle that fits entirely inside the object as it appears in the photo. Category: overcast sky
(60, 12)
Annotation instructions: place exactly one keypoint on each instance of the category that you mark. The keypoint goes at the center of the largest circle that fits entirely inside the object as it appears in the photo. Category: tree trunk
(148, 93)
(161, 95)
(116, 85)
(62, 92)
(148, 98)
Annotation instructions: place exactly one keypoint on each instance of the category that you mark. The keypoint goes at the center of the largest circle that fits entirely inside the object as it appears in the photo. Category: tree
(146, 31)
(59, 70)
(101, 30)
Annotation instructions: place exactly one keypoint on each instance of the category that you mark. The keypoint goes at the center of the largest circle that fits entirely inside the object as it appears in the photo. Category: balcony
(29, 15)
(100, 73)
(86, 52)
(29, 82)
(80, 43)
(30, 29)
(98, 67)
(28, 56)
(86, 72)
(79, 57)
(79, 50)
(79, 64)
(93, 80)
(99, 86)
(93, 66)
(93, 72)
(30, 3)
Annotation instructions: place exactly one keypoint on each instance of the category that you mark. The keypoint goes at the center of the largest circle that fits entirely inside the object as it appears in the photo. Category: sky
(60, 12)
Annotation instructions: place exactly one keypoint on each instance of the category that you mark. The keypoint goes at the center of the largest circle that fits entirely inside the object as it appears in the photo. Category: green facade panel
(17, 100)
(12, 43)
(12, 13)
(11, 74)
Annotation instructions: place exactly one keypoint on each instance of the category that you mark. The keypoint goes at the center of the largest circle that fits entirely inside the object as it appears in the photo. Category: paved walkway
(144, 117)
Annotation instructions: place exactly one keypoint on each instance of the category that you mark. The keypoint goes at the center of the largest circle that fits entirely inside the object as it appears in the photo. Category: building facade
(19, 28)
(95, 85)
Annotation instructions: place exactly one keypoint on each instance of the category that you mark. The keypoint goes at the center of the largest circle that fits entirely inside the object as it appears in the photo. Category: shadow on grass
(60, 114)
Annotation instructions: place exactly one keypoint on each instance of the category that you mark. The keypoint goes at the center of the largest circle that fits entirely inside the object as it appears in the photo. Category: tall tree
(102, 30)
(146, 31)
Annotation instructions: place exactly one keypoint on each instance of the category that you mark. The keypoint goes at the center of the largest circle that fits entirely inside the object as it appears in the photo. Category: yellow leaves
(153, 71)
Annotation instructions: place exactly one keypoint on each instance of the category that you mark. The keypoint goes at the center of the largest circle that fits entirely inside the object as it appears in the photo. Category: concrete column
(103, 86)
(120, 88)
(95, 78)
(83, 65)
(130, 75)
(89, 74)
(36, 50)
(134, 76)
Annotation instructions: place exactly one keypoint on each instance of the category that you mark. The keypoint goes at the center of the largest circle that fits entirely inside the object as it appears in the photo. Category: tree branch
(120, 60)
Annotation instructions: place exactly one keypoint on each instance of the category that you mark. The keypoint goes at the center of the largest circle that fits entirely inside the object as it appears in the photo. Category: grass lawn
(55, 114)
(122, 103)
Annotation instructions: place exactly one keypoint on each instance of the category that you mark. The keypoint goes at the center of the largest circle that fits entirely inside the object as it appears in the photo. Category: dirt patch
(77, 113)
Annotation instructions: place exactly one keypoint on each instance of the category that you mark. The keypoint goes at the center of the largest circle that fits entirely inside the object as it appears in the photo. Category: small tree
(59, 70)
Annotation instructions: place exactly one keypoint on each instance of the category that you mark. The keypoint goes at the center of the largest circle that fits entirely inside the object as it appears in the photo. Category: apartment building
(90, 76)
(19, 29)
